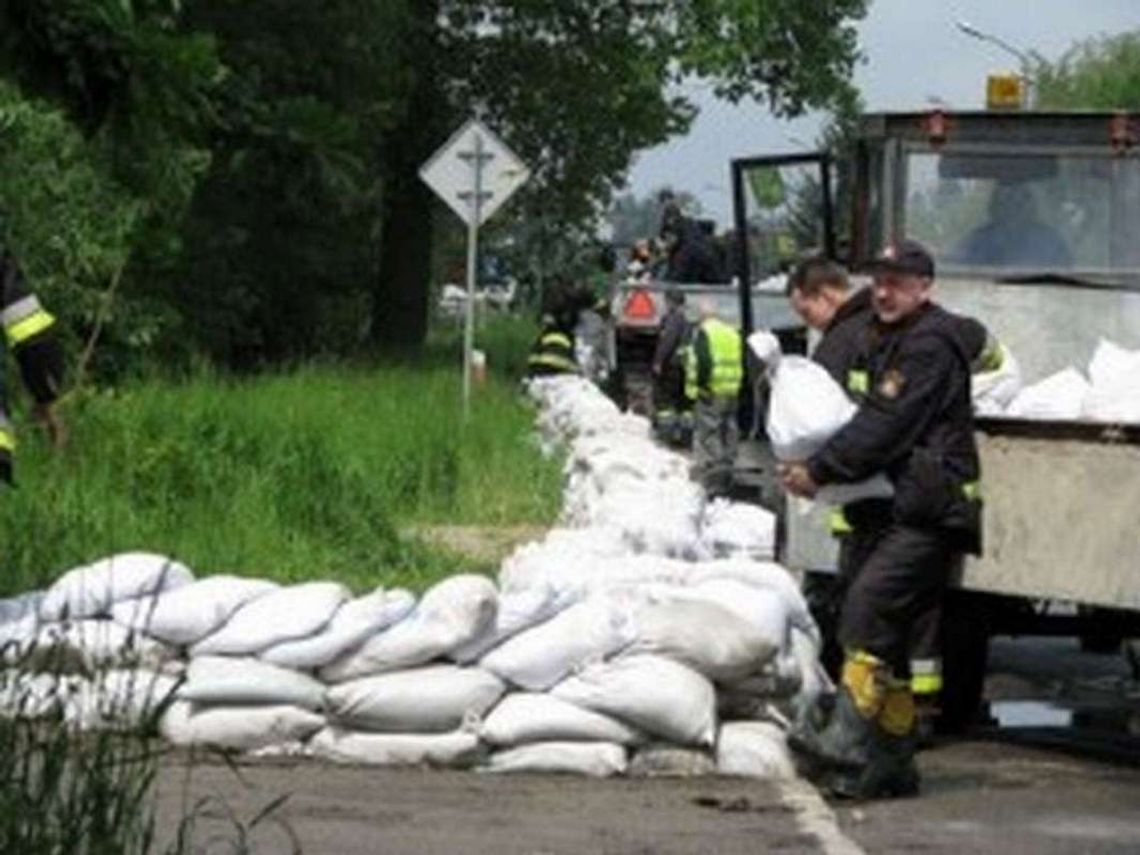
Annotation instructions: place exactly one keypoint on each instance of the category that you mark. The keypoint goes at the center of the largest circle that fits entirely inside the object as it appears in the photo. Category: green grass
(304, 475)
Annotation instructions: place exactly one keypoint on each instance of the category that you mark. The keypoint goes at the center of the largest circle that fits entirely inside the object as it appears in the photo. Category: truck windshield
(1009, 213)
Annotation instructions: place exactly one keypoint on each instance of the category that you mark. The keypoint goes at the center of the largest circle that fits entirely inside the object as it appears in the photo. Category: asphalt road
(1053, 781)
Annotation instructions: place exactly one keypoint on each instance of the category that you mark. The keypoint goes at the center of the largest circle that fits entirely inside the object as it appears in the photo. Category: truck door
(783, 211)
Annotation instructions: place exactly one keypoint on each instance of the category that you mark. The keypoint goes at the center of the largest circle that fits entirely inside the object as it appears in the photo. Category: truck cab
(1034, 222)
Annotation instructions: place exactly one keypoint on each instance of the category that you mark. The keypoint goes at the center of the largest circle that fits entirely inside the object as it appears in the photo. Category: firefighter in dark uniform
(820, 293)
(915, 423)
(553, 351)
(30, 334)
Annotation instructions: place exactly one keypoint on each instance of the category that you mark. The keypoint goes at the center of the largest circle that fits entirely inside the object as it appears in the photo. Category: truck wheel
(965, 652)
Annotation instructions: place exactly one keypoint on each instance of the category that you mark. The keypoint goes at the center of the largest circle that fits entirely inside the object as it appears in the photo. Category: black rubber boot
(840, 740)
(889, 773)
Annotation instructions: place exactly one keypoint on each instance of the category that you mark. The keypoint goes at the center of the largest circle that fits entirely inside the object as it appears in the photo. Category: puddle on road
(1030, 714)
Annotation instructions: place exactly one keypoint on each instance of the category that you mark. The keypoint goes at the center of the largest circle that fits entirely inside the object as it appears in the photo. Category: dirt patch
(483, 544)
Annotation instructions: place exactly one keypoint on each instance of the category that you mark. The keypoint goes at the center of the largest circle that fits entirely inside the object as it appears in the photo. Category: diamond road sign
(451, 172)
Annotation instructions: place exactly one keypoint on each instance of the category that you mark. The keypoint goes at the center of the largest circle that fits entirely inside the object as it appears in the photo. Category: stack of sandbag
(616, 646)
(1110, 393)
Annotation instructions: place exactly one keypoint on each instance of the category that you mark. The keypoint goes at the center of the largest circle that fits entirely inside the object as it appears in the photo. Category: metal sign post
(475, 173)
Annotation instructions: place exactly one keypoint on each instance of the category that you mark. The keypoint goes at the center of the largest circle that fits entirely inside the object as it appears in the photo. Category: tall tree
(1101, 73)
(577, 87)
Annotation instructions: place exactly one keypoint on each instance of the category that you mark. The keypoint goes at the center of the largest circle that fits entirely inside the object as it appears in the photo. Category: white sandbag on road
(655, 518)
(652, 693)
(119, 700)
(189, 613)
(764, 575)
(729, 529)
(806, 408)
(91, 590)
(20, 608)
(518, 611)
(1060, 396)
(353, 623)
(662, 760)
(30, 696)
(523, 717)
(754, 749)
(87, 646)
(296, 611)
(707, 637)
(434, 699)
(247, 681)
(451, 614)
(438, 750)
(560, 559)
(587, 632)
(593, 759)
(237, 728)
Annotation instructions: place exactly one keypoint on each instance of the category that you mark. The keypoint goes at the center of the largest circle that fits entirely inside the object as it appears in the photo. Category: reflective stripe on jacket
(714, 362)
(553, 353)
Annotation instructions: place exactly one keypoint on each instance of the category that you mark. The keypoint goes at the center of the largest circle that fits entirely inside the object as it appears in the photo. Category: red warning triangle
(640, 305)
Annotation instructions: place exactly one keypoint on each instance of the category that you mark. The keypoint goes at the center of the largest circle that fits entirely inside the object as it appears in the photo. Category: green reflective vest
(726, 350)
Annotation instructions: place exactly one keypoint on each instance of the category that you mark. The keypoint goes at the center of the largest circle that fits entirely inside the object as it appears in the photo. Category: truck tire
(965, 653)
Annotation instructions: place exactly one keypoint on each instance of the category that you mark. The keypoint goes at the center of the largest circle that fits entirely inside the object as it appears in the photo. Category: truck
(1034, 222)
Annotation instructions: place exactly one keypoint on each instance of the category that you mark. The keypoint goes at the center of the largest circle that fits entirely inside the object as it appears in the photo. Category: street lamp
(1023, 59)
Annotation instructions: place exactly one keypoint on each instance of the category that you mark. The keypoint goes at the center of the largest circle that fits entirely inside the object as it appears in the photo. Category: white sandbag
(31, 696)
(91, 590)
(296, 611)
(1115, 393)
(434, 699)
(523, 717)
(763, 609)
(19, 608)
(662, 760)
(518, 610)
(560, 561)
(1113, 365)
(247, 681)
(452, 613)
(18, 635)
(656, 518)
(707, 637)
(189, 613)
(87, 646)
(653, 693)
(438, 750)
(806, 408)
(1060, 396)
(765, 575)
(237, 728)
(587, 632)
(754, 749)
(732, 528)
(993, 391)
(119, 700)
(354, 623)
(594, 759)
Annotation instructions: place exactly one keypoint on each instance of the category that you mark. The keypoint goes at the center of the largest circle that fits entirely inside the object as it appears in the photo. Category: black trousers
(896, 579)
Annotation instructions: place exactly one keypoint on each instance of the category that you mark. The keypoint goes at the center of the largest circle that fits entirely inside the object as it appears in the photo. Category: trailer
(1034, 222)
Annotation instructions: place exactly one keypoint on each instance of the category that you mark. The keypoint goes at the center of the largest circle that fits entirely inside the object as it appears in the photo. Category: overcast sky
(913, 52)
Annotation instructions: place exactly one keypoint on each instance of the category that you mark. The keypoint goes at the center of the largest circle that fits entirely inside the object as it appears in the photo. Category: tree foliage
(269, 150)
(1101, 73)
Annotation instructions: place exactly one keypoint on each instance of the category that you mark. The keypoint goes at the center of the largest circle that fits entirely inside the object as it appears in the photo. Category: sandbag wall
(650, 633)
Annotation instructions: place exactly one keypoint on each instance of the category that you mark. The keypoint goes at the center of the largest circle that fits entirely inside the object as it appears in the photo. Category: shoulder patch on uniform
(892, 384)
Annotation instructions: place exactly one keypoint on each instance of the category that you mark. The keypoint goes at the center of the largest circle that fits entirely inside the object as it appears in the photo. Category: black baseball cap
(906, 256)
